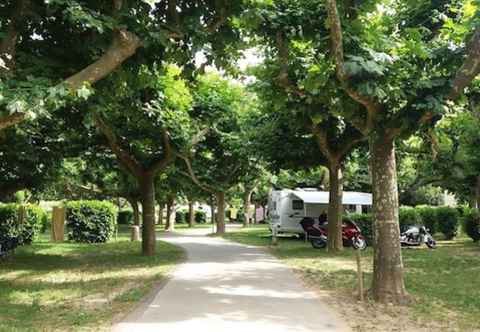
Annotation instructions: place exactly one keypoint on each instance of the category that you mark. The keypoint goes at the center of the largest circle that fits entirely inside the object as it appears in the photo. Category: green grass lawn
(445, 282)
(47, 286)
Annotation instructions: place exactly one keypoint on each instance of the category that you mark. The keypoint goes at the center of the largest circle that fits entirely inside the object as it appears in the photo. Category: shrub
(447, 218)
(46, 222)
(21, 233)
(90, 221)
(180, 217)
(428, 215)
(125, 217)
(35, 219)
(365, 222)
(471, 223)
(408, 216)
(200, 217)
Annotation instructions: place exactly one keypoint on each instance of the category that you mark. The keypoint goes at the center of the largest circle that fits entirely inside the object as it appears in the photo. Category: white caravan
(286, 208)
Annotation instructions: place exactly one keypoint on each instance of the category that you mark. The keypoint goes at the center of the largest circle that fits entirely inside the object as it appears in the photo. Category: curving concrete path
(229, 287)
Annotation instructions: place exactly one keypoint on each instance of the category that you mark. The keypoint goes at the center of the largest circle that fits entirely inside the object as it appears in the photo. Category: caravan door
(293, 211)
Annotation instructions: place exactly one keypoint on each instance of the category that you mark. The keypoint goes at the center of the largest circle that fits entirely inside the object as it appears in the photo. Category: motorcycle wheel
(359, 243)
(431, 244)
(318, 243)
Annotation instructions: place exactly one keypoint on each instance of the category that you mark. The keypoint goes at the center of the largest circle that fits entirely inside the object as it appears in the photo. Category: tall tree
(217, 162)
(296, 78)
(401, 68)
(145, 138)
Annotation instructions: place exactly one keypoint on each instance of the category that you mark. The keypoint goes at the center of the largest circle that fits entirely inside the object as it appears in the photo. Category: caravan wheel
(318, 243)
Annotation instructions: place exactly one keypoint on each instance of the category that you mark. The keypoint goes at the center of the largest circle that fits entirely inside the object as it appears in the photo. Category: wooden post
(360, 273)
(58, 224)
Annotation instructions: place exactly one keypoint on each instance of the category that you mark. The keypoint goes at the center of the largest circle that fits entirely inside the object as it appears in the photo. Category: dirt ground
(372, 317)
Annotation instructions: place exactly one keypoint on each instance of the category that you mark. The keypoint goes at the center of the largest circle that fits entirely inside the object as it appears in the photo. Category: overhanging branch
(469, 69)
(123, 156)
(191, 174)
(336, 36)
(168, 157)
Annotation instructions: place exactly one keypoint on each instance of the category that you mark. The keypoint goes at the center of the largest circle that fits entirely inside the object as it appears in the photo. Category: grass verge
(68, 286)
(444, 282)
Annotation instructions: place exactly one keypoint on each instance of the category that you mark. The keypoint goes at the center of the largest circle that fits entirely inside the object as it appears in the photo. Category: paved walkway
(229, 287)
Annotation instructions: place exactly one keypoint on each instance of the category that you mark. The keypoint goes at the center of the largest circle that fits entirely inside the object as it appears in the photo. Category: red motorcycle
(317, 234)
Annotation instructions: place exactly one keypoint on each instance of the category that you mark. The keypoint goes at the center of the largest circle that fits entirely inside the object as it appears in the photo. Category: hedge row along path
(225, 286)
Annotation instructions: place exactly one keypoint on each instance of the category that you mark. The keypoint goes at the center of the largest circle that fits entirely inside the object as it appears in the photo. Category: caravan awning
(321, 197)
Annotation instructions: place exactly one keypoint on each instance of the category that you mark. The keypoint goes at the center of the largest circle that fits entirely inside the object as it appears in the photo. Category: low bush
(365, 222)
(408, 216)
(90, 221)
(471, 224)
(200, 217)
(35, 218)
(46, 222)
(12, 230)
(125, 217)
(180, 217)
(447, 218)
(428, 215)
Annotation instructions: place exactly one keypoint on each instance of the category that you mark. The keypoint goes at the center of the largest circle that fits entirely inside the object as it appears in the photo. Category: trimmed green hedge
(448, 221)
(408, 216)
(90, 221)
(443, 219)
(125, 217)
(428, 215)
(471, 223)
(181, 217)
(365, 222)
(25, 233)
(200, 217)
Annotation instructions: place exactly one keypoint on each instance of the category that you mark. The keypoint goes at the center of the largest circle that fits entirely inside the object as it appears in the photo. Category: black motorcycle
(416, 236)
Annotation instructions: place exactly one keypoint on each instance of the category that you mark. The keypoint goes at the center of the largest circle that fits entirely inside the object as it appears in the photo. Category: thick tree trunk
(136, 212)
(247, 197)
(335, 242)
(147, 190)
(388, 284)
(160, 214)
(212, 210)
(191, 214)
(170, 223)
(221, 212)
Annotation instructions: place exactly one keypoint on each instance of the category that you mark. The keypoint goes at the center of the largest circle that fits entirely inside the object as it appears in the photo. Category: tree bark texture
(170, 222)
(191, 214)
(335, 207)
(136, 212)
(147, 190)
(212, 210)
(388, 285)
(221, 212)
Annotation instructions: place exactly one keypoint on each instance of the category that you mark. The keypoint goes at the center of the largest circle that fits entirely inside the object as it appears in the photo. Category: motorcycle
(318, 234)
(416, 236)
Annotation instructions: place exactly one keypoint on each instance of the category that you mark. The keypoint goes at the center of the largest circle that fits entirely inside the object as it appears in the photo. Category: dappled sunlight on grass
(444, 282)
(50, 286)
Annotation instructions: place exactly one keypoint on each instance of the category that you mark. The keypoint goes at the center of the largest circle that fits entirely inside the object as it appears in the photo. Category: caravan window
(297, 204)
